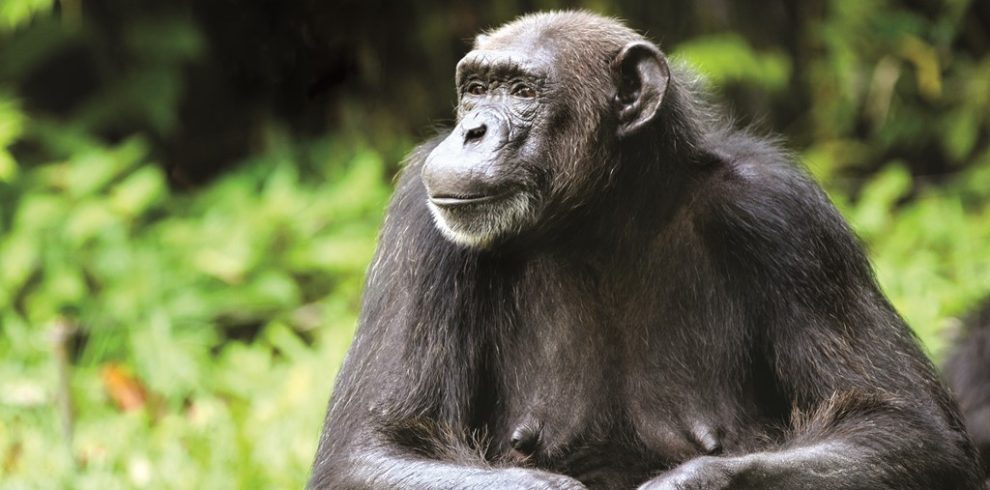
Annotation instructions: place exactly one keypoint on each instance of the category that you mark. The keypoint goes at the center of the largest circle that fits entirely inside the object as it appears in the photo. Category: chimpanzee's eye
(476, 88)
(524, 91)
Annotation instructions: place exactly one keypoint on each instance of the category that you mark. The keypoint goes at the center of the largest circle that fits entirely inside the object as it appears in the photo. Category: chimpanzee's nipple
(525, 438)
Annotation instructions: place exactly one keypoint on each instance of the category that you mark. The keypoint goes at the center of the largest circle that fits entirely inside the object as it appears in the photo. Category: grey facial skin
(593, 281)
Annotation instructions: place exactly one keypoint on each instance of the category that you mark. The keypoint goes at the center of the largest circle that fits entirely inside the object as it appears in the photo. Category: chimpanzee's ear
(640, 74)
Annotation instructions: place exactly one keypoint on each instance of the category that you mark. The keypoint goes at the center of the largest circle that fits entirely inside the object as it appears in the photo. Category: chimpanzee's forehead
(530, 41)
(535, 63)
(563, 32)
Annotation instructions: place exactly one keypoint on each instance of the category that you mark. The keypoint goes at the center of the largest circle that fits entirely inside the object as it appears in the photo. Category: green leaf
(874, 211)
(139, 191)
(728, 58)
(960, 132)
(15, 13)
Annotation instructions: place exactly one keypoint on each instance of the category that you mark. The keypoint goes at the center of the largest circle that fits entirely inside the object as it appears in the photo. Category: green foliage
(163, 283)
(891, 78)
(930, 252)
(892, 94)
(11, 126)
(16, 12)
(228, 308)
(727, 58)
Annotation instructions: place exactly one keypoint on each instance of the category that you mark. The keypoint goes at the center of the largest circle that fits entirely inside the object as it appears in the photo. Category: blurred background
(190, 192)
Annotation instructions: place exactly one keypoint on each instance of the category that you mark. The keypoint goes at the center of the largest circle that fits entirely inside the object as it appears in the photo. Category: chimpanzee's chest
(612, 399)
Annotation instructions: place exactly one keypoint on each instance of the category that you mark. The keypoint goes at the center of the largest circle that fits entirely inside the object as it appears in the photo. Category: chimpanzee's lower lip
(455, 201)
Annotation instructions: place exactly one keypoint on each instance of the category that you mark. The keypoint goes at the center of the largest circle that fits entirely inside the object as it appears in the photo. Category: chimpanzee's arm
(390, 423)
(374, 470)
(869, 411)
(967, 372)
(360, 450)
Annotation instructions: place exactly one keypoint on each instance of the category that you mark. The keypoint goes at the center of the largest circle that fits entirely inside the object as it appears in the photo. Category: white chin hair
(479, 226)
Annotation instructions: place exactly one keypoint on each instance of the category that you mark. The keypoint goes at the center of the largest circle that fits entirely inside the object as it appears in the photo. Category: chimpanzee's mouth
(478, 219)
(448, 201)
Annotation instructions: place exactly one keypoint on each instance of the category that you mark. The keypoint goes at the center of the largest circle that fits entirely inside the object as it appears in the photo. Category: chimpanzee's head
(544, 104)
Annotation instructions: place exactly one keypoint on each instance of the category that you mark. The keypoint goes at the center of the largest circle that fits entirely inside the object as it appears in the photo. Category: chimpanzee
(592, 281)
(967, 370)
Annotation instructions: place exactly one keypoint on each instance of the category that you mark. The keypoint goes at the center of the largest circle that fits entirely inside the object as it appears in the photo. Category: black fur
(688, 311)
(967, 369)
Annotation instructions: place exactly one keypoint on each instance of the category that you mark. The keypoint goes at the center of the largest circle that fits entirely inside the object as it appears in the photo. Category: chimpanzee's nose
(468, 165)
(474, 129)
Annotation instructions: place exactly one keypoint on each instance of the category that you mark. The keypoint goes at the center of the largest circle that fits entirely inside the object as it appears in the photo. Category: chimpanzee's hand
(537, 480)
(703, 473)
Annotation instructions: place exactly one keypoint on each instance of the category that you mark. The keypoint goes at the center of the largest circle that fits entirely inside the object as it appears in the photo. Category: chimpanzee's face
(485, 180)
(539, 116)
